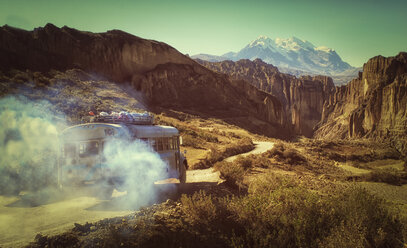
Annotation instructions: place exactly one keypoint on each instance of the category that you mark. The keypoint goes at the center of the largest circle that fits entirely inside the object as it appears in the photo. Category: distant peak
(324, 49)
(263, 37)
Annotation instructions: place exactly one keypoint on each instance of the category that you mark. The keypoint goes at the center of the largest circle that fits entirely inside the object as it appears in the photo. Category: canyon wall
(302, 99)
(373, 106)
(167, 78)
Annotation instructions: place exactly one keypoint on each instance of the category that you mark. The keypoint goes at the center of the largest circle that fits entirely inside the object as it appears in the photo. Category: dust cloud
(138, 166)
(30, 149)
(28, 145)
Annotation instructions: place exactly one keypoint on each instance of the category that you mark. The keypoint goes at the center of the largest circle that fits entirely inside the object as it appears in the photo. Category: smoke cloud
(29, 152)
(139, 167)
(28, 144)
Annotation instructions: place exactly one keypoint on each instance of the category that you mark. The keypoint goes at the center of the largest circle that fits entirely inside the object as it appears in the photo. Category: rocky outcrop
(374, 105)
(167, 78)
(302, 98)
(116, 54)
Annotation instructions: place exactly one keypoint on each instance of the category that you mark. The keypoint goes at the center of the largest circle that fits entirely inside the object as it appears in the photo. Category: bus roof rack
(125, 117)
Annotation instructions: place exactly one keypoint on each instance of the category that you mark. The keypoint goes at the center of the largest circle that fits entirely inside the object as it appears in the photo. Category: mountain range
(251, 94)
(294, 56)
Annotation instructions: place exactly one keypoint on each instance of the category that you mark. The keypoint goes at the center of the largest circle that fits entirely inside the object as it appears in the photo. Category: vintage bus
(82, 159)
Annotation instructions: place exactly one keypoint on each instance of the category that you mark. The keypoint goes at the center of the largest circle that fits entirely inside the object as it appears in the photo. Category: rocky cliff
(373, 105)
(116, 54)
(167, 78)
(302, 98)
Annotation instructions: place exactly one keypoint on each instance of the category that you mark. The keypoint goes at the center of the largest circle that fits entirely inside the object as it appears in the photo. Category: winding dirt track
(260, 147)
(22, 217)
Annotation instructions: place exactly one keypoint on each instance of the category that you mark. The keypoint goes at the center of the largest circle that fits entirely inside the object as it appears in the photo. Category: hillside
(164, 77)
(302, 98)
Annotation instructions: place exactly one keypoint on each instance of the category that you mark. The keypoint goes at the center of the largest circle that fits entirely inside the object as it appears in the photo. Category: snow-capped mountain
(292, 54)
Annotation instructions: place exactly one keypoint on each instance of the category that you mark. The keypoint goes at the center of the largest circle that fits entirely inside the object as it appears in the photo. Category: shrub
(364, 221)
(216, 155)
(389, 176)
(287, 155)
(277, 150)
(188, 140)
(232, 173)
(199, 208)
(293, 157)
(279, 213)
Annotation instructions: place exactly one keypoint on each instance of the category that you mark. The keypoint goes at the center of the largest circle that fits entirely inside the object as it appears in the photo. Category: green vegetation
(390, 176)
(279, 212)
(233, 172)
(287, 155)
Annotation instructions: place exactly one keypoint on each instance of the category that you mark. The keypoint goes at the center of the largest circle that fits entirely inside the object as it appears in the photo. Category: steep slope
(290, 55)
(373, 105)
(302, 98)
(167, 78)
(115, 54)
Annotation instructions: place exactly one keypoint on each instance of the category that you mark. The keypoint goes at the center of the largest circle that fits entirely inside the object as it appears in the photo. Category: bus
(82, 159)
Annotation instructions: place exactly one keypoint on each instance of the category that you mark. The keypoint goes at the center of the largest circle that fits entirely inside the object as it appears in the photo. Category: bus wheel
(183, 176)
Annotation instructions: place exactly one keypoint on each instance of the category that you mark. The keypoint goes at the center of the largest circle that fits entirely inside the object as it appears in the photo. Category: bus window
(69, 150)
(153, 144)
(170, 143)
(160, 144)
(88, 149)
(166, 144)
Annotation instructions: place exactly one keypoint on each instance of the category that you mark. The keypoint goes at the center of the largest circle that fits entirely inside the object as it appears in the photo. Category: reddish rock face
(302, 99)
(373, 105)
(115, 53)
(167, 78)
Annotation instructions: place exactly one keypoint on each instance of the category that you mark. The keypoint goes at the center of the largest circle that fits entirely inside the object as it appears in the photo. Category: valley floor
(298, 189)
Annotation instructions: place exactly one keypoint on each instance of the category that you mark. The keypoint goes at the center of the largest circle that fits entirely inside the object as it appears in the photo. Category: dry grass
(218, 154)
(279, 212)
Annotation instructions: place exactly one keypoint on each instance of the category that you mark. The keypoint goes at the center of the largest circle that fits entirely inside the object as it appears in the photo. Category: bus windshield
(88, 148)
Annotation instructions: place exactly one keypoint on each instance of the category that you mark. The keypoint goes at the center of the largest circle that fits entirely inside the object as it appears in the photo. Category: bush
(363, 220)
(293, 157)
(232, 173)
(278, 212)
(216, 155)
(389, 176)
(188, 140)
(199, 208)
(287, 155)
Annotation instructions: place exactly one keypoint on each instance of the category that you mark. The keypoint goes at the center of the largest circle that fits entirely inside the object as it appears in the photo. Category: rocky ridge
(373, 106)
(302, 98)
(166, 78)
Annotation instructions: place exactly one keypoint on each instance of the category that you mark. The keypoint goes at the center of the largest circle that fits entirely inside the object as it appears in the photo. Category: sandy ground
(21, 219)
(24, 216)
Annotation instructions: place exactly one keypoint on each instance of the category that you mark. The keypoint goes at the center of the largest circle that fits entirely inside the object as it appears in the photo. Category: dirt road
(260, 147)
(211, 176)
(22, 217)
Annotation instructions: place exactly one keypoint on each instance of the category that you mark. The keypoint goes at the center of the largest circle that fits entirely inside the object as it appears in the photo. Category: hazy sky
(356, 29)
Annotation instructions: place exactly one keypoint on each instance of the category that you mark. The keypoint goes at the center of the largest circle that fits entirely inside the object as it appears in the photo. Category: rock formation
(302, 98)
(373, 105)
(167, 78)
